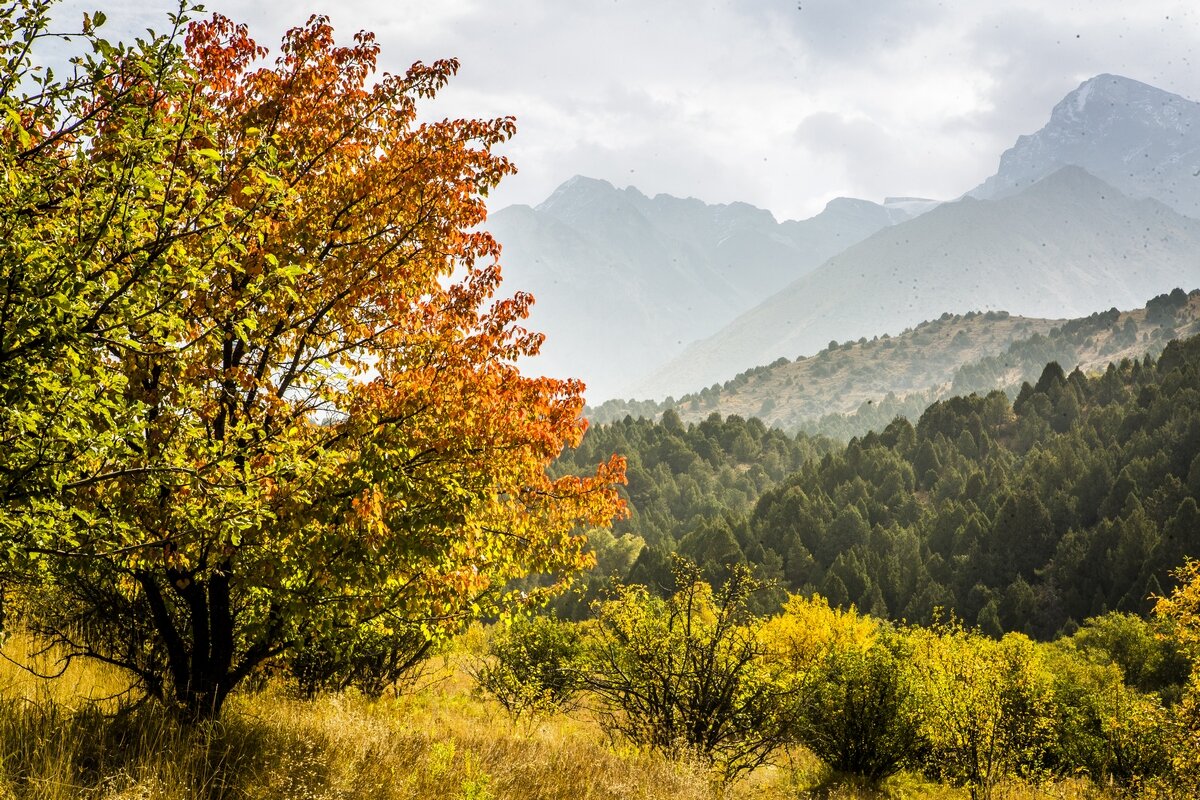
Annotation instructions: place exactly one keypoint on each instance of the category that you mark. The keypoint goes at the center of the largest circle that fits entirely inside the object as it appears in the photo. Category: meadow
(74, 737)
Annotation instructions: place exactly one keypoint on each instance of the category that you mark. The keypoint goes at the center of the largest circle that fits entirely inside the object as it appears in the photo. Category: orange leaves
(301, 406)
(221, 51)
(348, 384)
(367, 510)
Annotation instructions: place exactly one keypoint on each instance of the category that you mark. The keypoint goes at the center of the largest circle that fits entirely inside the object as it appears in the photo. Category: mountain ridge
(854, 386)
(1064, 247)
(623, 281)
(1142, 140)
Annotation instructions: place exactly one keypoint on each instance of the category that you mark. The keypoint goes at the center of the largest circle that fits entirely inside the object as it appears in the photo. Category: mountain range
(1068, 245)
(647, 297)
(623, 281)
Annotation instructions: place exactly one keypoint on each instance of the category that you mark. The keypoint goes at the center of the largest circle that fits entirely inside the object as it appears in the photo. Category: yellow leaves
(19, 126)
(696, 602)
(808, 629)
(1182, 607)
(367, 512)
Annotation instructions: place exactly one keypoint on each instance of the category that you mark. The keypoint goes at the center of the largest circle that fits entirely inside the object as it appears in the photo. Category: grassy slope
(921, 363)
(438, 742)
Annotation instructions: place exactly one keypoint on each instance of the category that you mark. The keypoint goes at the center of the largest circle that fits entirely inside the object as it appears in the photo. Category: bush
(858, 709)
(1111, 731)
(987, 707)
(1148, 658)
(532, 666)
(1181, 610)
(689, 675)
(369, 660)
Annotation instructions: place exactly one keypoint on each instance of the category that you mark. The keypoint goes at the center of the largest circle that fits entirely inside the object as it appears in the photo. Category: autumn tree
(330, 438)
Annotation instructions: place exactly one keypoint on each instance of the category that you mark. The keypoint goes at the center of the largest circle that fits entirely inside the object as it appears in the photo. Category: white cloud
(707, 98)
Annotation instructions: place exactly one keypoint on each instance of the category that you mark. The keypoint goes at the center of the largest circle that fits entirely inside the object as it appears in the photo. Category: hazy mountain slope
(1066, 246)
(842, 377)
(623, 281)
(1142, 140)
(955, 354)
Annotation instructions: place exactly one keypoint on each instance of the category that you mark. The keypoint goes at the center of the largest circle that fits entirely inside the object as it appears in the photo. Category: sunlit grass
(62, 739)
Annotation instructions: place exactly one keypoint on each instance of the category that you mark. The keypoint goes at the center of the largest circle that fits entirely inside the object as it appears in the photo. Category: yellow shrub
(808, 629)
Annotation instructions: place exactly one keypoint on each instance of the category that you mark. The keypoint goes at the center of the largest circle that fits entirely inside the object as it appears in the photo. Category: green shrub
(532, 666)
(1113, 732)
(858, 709)
(369, 660)
(689, 675)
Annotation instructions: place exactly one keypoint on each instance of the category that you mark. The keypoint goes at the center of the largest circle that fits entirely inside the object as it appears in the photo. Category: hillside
(623, 281)
(1069, 245)
(873, 381)
(1076, 498)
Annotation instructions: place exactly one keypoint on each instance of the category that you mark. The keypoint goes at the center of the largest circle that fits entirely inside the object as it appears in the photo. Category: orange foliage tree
(335, 441)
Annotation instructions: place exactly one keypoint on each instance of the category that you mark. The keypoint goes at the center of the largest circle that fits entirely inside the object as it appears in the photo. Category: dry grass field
(64, 738)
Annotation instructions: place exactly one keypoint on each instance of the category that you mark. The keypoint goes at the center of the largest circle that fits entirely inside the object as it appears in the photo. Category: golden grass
(60, 739)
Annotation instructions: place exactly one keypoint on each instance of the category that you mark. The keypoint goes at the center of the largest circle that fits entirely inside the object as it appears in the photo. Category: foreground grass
(64, 738)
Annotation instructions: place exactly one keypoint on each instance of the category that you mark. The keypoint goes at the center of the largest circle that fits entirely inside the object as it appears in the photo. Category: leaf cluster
(532, 666)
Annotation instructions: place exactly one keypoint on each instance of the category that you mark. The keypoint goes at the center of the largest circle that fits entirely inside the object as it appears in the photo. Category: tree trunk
(199, 658)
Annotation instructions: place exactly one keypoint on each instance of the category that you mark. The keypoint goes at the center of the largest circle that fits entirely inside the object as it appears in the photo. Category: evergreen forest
(1075, 499)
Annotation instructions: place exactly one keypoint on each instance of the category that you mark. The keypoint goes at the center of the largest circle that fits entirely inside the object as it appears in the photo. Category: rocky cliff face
(1142, 140)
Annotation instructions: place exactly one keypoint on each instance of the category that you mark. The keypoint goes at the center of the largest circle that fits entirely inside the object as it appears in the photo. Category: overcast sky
(778, 103)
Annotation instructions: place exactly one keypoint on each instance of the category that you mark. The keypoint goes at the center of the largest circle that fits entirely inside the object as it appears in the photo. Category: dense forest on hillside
(854, 387)
(1032, 515)
(686, 483)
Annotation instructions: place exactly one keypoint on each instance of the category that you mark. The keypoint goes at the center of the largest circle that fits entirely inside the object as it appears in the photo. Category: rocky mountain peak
(1142, 140)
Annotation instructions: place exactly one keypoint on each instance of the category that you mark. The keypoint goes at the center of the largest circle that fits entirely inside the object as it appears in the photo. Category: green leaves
(858, 708)
(691, 674)
(534, 665)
